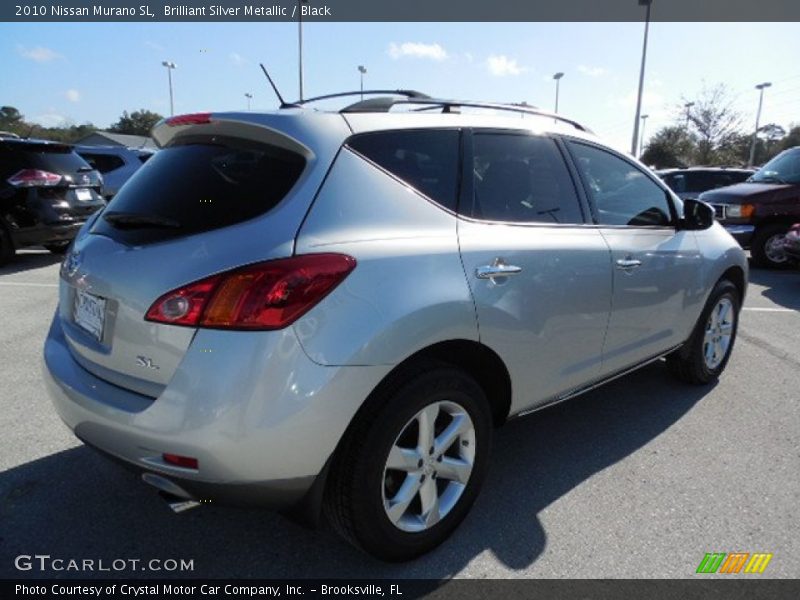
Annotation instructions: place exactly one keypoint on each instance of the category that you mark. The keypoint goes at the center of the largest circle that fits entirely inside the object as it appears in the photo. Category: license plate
(90, 313)
(83, 195)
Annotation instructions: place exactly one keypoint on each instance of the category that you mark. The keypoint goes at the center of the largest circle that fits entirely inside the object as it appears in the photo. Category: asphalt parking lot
(637, 479)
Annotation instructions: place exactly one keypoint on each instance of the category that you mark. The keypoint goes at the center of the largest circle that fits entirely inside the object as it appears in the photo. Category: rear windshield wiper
(124, 220)
(85, 169)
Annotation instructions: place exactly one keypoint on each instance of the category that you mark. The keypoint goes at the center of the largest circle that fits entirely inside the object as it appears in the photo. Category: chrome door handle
(628, 263)
(497, 269)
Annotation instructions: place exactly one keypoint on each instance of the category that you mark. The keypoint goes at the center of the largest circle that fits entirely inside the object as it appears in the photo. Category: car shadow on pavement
(781, 286)
(76, 504)
(25, 260)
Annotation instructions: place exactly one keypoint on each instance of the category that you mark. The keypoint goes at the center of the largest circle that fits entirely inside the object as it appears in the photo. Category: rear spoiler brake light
(190, 119)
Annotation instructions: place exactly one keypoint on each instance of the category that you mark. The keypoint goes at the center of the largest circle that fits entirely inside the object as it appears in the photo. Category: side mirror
(697, 215)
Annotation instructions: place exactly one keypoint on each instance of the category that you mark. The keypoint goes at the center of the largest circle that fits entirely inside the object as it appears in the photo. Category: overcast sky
(93, 71)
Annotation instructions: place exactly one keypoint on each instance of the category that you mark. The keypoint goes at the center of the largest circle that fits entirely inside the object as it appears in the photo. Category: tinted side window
(104, 163)
(427, 160)
(622, 194)
(522, 179)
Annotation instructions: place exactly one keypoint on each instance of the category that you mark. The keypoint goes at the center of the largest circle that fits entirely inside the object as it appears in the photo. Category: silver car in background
(332, 311)
(117, 164)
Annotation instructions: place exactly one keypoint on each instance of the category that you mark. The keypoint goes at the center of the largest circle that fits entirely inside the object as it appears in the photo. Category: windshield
(784, 168)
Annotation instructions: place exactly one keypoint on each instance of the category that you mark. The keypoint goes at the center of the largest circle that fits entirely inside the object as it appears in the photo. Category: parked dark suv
(690, 183)
(47, 192)
(759, 212)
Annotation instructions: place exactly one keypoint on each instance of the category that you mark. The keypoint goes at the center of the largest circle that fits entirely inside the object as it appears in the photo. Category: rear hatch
(75, 195)
(225, 191)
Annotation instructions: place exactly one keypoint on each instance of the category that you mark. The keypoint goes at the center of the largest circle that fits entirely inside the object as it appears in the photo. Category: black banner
(733, 588)
(405, 10)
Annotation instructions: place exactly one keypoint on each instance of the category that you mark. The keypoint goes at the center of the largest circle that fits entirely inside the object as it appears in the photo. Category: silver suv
(331, 311)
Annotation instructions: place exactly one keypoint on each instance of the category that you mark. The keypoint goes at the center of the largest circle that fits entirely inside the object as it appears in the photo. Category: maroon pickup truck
(759, 212)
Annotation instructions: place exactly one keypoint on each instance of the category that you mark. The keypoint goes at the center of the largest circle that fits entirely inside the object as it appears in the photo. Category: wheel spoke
(403, 459)
(429, 497)
(709, 353)
(454, 469)
(724, 308)
(444, 440)
(426, 420)
(398, 505)
(726, 328)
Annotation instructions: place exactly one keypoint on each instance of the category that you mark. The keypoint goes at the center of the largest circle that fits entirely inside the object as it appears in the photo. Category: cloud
(73, 95)
(417, 50)
(237, 59)
(39, 53)
(153, 45)
(501, 66)
(591, 71)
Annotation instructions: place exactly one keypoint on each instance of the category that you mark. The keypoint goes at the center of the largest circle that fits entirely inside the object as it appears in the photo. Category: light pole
(300, 43)
(641, 141)
(170, 65)
(557, 77)
(362, 71)
(249, 97)
(688, 106)
(761, 87)
(635, 138)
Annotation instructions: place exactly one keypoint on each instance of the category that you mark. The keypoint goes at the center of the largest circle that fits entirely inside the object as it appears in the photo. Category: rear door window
(426, 160)
(105, 163)
(199, 186)
(521, 178)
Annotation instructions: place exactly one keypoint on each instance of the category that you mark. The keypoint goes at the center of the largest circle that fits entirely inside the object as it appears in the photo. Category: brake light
(268, 295)
(34, 178)
(191, 119)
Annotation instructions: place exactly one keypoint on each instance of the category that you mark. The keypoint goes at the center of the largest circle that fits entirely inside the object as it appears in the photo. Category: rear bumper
(46, 234)
(261, 418)
(743, 234)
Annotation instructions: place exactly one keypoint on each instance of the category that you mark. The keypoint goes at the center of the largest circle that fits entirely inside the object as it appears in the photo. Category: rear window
(200, 186)
(427, 160)
(54, 158)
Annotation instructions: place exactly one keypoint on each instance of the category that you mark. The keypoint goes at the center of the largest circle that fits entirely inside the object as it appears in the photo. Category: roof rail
(406, 93)
(427, 103)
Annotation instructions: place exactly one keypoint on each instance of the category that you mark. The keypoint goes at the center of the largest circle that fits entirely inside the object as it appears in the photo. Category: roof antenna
(275, 88)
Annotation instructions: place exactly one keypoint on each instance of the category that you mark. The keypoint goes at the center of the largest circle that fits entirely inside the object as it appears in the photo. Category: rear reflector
(268, 295)
(187, 462)
(192, 119)
(34, 178)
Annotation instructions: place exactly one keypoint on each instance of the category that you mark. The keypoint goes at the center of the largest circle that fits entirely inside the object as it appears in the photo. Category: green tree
(670, 147)
(139, 122)
(11, 120)
(792, 138)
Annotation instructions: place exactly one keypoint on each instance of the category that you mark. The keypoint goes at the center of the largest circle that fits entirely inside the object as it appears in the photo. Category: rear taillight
(192, 119)
(34, 178)
(268, 295)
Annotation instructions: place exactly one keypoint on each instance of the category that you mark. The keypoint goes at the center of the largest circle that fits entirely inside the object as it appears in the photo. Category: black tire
(688, 363)
(58, 247)
(758, 247)
(7, 250)
(354, 502)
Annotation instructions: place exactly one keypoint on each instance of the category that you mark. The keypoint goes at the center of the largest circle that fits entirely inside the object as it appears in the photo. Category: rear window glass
(195, 187)
(427, 160)
(56, 159)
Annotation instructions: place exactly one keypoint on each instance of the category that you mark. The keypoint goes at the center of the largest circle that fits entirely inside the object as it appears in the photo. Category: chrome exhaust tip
(178, 499)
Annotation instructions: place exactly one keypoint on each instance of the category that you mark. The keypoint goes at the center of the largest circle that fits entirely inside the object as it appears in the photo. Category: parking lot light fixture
(557, 78)
(362, 70)
(760, 87)
(688, 106)
(170, 66)
(300, 43)
(635, 139)
(249, 97)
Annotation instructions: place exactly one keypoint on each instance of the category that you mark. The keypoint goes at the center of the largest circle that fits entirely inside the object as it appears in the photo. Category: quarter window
(521, 179)
(622, 193)
(427, 160)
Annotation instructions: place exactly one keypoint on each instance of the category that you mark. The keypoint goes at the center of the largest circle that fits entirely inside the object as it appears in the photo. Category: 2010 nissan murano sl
(332, 310)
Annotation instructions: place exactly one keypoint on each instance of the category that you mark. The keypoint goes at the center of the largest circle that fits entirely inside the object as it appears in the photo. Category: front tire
(767, 247)
(411, 464)
(704, 356)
